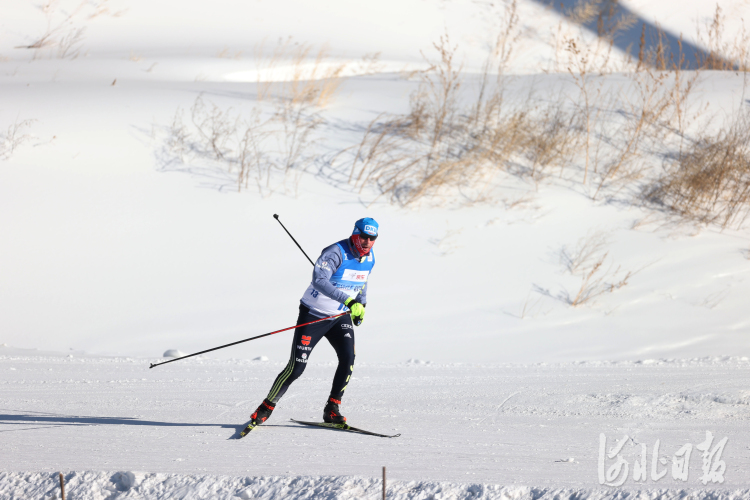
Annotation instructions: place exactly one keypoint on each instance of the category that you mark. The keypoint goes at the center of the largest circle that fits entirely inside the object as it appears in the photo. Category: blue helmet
(367, 226)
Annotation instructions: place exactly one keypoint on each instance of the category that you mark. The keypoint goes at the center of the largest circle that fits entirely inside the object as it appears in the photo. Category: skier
(338, 282)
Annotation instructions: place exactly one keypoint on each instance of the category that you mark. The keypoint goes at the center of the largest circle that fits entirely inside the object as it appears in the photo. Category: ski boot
(331, 413)
(262, 413)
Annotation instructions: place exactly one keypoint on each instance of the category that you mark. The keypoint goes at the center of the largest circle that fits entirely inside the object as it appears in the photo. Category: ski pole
(247, 340)
(276, 216)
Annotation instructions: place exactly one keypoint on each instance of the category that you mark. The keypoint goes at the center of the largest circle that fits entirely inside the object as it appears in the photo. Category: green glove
(357, 310)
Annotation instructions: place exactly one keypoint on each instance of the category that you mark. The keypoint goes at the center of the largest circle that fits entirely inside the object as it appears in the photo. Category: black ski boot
(262, 413)
(331, 413)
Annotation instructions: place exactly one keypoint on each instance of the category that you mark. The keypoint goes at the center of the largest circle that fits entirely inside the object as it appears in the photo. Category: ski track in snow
(463, 435)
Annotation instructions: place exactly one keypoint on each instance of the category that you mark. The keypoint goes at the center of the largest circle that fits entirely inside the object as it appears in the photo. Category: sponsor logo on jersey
(347, 335)
(372, 230)
(304, 355)
(353, 288)
(344, 325)
(300, 360)
(354, 275)
(324, 265)
(306, 339)
(303, 348)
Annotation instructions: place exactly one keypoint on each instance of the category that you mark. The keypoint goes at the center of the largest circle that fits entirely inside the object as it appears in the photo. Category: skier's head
(364, 234)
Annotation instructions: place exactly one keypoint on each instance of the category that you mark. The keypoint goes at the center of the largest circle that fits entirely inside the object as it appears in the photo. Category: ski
(246, 430)
(344, 427)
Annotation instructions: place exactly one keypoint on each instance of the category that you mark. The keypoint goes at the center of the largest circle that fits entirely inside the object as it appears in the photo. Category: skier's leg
(341, 337)
(305, 339)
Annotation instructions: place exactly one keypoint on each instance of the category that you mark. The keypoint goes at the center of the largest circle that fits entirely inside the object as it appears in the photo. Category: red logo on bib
(306, 340)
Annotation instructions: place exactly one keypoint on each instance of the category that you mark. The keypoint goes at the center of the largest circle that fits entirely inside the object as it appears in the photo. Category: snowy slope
(125, 258)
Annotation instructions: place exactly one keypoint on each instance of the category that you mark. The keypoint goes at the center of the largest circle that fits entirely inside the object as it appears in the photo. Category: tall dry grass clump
(264, 149)
(606, 136)
(598, 50)
(435, 104)
(589, 261)
(723, 54)
(295, 72)
(272, 145)
(445, 149)
(709, 182)
(64, 34)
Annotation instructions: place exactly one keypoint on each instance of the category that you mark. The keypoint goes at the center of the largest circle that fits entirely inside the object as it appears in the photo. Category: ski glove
(357, 309)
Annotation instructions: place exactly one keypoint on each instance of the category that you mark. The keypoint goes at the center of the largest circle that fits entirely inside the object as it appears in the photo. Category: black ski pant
(340, 335)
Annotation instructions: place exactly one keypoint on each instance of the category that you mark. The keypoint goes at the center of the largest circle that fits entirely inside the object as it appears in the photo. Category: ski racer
(338, 282)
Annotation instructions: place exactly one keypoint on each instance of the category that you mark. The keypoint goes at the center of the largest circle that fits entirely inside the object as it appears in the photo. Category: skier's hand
(357, 310)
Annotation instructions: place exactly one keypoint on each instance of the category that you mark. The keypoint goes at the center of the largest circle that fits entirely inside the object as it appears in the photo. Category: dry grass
(709, 182)
(443, 150)
(448, 151)
(225, 53)
(496, 63)
(587, 260)
(64, 34)
(733, 55)
(271, 145)
(598, 51)
(214, 127)
(296, 72)
(585, 252)
(649, 103)
(552, 139)
(723, 55)
(531, 307)
(435, 104)
(265, 149)
(590, 91)
(597, 281)
(407, 165)
(16, 135)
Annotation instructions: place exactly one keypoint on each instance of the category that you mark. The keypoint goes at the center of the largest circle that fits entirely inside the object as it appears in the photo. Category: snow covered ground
(461, 424)
(113, 252)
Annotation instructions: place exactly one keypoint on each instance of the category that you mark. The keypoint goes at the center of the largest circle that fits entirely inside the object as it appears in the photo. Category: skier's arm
(327, 264)
(362, 295)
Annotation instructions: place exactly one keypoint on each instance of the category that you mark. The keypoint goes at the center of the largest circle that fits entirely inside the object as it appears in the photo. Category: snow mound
(124, 481)
(105, 485)
(261, 358)
(173, 353)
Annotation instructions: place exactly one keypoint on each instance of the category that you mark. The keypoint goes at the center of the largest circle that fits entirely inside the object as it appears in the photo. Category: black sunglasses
(367, 236)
